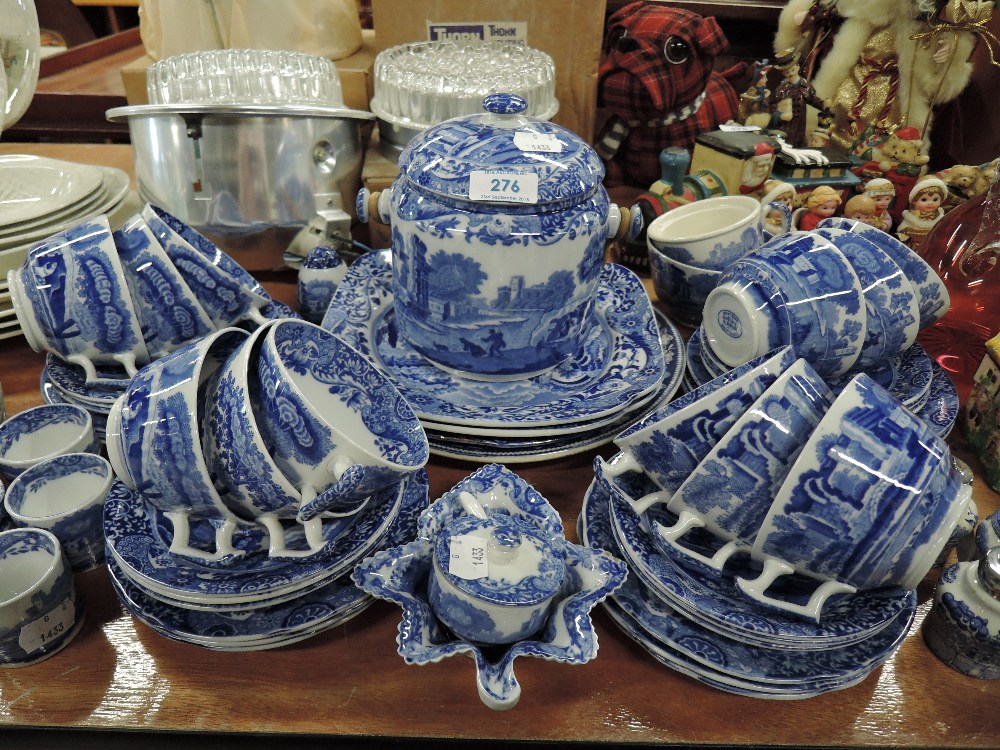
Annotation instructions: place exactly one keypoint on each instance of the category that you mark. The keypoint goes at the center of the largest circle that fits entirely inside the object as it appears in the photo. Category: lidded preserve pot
(499, 224)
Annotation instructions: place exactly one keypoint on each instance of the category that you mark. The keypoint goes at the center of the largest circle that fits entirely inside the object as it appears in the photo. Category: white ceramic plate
(33, 186)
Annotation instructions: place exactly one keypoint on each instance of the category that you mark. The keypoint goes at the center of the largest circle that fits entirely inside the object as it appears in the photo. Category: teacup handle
(622, 463)
(343, 498)
(88, 367)
(313, 528)
(773, 568)
(255, 315)
(686, 521)
(126, 360)
(224, 529)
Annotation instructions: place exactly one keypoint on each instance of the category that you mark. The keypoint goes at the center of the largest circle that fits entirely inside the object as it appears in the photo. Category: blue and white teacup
(44, 431)
(65, 495)
(710, 234)
(154, 442)
(319, 276)
(248, 479)
(870, 502)
(891, 305)
(225, 290)
(335, 425)
(71, 298)
(933, 299)
(797, 289)
(39, 611)
(681, 289)
(730, 491)
(167, 308)
(668, 444)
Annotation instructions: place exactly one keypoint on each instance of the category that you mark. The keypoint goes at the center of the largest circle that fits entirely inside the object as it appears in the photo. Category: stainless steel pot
(248, 177)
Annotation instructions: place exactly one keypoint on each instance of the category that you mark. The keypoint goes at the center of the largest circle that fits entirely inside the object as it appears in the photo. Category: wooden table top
(350, 685)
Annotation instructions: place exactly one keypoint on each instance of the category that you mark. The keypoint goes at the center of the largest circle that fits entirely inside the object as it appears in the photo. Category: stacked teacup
(790, 503)
(690, 246)
(97, 298)
(103, 303)
(257, 456)
(846, 296)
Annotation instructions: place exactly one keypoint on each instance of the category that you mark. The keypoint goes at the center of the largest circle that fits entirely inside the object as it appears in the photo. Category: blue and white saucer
(621, 361)
(911, 376)
(264, 627)
(71, 381)
(714, 601)
(941, 408)
(683, 662)
(138, 546)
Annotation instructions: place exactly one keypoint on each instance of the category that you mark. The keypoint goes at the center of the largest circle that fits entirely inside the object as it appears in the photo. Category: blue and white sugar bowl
(494, 578)
(963, 626)
(499, 224)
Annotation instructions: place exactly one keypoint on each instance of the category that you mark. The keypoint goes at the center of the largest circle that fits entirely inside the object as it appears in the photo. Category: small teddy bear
(903, 163)
(658, 83)
(967, 181)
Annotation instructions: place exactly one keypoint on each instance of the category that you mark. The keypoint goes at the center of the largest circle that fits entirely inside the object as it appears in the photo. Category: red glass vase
(963, 248)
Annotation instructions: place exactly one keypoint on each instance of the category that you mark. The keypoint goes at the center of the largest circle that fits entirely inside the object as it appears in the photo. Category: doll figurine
(881, 192)
(755, 108)
(861, 208)
(821, 204)
(923, 212)
(777, 192)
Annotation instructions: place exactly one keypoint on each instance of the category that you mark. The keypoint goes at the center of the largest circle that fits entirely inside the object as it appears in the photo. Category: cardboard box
(570, 31)
(355, 72)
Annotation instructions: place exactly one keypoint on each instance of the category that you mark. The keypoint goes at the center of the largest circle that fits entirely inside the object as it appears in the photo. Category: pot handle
(371, 206)
(625, 224)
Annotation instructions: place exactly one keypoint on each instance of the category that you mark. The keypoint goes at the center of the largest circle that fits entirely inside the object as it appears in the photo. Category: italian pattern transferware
(276, 621)
(138, 539)
(621, 360)
(725, 659)
(715, 601)
(400, 575)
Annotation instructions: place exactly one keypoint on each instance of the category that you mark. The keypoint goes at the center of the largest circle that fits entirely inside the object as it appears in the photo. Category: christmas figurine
(755, 107)
(861, 207)
(822, 203)
(923, 213)
(881, 191)
(791, 98)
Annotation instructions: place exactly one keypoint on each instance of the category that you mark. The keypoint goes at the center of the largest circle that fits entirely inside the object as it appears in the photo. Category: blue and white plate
(682, 662)
(264, 627)
(621, 361)
(941, 408)
(140, 546)
(714, 601)
(755, 664)
(52, 395)
(673, 349)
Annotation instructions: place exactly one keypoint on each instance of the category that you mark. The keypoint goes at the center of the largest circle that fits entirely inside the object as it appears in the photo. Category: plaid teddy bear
(658, 82)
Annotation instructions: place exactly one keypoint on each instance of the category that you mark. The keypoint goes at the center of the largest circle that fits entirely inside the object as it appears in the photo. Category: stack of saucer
(702, 626)
(776, 531)
(43, 196)
(255, 602)
(631, 363)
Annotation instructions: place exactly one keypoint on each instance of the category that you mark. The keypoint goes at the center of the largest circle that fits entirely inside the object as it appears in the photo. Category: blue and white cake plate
(620, 362)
